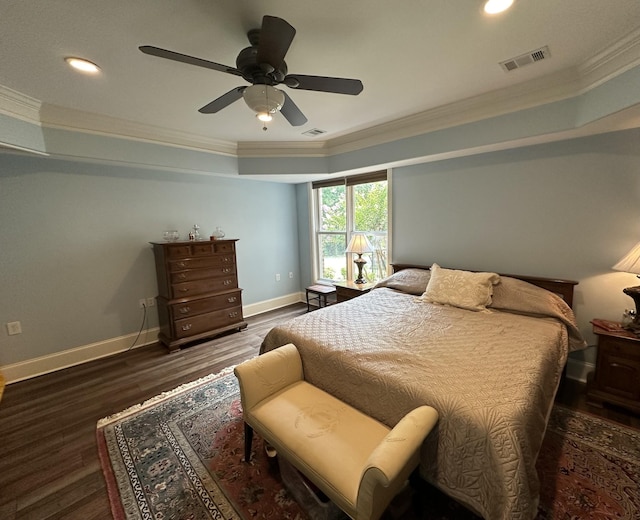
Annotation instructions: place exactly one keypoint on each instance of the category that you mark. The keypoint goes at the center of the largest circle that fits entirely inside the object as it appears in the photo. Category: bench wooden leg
(248, 438)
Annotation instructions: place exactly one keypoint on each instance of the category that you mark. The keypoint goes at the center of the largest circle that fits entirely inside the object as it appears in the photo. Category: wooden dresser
(198, 290)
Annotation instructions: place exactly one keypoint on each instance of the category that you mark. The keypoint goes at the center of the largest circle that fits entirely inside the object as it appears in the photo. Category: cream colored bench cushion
(329, 441)
(358, 462)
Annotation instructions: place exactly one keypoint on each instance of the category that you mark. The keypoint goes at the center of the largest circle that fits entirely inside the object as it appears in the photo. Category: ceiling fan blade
(276, 36)
(291, 112)
(223, 101)
(191, 60)
(352, 87)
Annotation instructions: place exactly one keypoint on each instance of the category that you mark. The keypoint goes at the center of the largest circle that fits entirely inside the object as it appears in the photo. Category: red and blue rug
(180, 456)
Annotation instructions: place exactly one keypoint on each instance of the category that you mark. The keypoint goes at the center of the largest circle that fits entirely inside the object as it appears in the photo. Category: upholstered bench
(358, 462)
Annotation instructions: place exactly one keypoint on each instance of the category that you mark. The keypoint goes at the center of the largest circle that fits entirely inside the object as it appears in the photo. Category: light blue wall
(569, 209)
(74, 250)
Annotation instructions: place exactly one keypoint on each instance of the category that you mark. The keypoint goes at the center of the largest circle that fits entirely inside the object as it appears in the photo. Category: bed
(486, 350)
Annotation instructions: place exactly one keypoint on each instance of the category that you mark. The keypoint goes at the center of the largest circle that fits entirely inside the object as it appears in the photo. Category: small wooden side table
(349, 290)
(617, 375)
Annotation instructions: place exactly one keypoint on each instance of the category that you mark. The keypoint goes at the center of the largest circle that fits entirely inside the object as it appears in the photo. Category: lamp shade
(630, 263)
(359, 244)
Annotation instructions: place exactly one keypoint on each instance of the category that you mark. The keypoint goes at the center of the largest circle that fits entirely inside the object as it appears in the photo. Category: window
(358, 204)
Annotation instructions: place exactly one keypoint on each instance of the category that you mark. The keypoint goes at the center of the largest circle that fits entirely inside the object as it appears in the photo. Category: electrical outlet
(151, 302)
(14, 328)
(277, 277)
(290, 274)
(142, 303)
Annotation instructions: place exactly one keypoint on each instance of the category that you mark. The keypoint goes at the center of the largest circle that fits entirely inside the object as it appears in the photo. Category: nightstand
(617, 376)
(348, 290)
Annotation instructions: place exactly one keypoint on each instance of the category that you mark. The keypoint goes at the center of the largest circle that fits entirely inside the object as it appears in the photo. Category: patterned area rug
(179, 456)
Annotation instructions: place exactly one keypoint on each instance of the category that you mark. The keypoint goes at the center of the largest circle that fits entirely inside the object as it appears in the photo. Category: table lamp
(630, 263)
(358, 245)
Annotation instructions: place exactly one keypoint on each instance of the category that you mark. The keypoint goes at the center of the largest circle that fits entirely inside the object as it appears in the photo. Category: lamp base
(634, 293)
(360, 263)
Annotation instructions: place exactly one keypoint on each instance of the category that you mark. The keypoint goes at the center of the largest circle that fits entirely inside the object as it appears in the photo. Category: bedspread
(492, 376)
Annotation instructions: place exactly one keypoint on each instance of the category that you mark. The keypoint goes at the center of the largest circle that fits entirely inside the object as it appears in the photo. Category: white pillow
(464, 289)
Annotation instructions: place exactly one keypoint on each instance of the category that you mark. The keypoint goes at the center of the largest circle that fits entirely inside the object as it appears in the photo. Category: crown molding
(54, 116)
(282, 149)
(618, 58)
(19, 106)
(548, 89)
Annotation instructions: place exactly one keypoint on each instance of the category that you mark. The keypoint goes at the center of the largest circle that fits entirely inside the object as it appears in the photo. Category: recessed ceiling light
(497, 6)
(83, 65)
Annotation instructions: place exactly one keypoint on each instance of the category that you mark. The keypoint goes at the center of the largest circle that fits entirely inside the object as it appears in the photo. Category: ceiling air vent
(526, 59)
(313, 132)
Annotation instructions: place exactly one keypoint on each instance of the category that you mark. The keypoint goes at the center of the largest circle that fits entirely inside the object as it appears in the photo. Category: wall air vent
(313, 132)
(526, 59)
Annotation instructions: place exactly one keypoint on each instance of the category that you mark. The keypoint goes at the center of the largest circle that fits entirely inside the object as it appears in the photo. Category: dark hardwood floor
(49, 465)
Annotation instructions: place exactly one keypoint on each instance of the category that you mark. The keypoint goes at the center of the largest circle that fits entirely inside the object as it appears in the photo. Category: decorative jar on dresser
(198, 290)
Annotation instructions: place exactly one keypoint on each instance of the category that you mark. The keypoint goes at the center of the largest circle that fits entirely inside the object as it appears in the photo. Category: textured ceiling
(412, 56)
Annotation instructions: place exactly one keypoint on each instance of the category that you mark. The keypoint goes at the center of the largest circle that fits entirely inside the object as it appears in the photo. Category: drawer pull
(233, 314)
(184, 309)
(186, 327)
(227, 282)
(182, 276)
(181, 264)
(184, 289)
(227, 259)
(226, 270)
(232, 299)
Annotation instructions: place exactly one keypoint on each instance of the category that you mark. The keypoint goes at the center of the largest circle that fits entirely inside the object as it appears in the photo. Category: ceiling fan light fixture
(265, 100)
(82, 65)
(497, 6)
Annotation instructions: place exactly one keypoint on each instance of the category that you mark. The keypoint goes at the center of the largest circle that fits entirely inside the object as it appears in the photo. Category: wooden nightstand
(617, 376)
(347, 290)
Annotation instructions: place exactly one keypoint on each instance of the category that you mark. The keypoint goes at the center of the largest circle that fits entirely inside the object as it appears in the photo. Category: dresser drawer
(207, 248)
(187, 289)
(205, 322)
(195, 307)
(612, 345)
(225, 247)
(200, 274)
(204, 262)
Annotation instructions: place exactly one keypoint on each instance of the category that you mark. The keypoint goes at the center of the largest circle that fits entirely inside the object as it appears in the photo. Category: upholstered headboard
(563, 288)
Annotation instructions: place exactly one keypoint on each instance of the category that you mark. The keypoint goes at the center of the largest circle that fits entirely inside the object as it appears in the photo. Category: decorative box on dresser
(198, 290)
(617, 375)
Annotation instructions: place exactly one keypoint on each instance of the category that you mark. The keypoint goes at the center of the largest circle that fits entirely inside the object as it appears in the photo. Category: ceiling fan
(262, 64)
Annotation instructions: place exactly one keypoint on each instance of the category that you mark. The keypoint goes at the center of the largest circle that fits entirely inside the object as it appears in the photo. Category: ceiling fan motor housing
(254, 72)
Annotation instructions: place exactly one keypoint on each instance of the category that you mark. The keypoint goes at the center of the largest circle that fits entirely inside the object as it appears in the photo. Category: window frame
(315, 219)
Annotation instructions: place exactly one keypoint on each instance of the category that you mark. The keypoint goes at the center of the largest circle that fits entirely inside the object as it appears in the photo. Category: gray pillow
(410, 281)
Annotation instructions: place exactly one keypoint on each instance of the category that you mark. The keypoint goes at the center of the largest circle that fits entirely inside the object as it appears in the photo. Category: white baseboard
(76, 356)
(578, 370)
(271, 305)
(85, 353)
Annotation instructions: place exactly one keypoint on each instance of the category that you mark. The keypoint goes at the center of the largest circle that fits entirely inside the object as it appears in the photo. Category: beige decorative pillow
(410, 281)
(464, 289)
